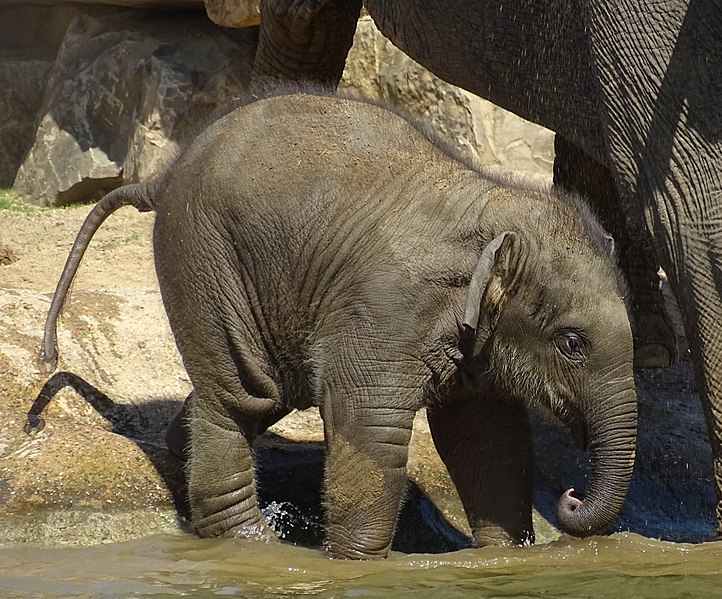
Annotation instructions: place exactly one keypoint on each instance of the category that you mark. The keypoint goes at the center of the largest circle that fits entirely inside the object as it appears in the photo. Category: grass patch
(10, 200)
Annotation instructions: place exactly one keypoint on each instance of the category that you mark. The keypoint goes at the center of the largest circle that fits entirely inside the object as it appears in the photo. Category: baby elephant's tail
(136, 194)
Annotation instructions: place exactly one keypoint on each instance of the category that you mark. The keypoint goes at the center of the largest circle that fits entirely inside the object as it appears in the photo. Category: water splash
(292, 524)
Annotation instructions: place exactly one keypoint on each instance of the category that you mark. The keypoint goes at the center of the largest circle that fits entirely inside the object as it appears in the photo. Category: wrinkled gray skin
(313, 250)
(632, 90)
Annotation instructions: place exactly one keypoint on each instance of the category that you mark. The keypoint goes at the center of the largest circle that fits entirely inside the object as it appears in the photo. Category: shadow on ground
(289, 473)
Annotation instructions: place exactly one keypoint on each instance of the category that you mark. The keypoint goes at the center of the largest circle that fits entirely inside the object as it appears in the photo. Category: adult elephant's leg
(305, 40)
(655, 341)
(665, 144)
(691, 254)
(487, 448)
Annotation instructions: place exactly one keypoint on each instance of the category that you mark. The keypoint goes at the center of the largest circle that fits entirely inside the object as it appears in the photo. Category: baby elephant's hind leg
(229, 404)
(221, 485)
(177, 435)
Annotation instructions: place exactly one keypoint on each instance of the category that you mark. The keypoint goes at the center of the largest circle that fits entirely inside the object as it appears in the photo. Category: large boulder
(125, 88)
(234, 13)
(29, 40)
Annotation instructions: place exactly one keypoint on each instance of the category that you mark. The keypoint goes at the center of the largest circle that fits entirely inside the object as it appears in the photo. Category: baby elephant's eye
(572, 345)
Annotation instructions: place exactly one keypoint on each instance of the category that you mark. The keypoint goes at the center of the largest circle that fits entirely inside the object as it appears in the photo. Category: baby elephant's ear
(488, 289)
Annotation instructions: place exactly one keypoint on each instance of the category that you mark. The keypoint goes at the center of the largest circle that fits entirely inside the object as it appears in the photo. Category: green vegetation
(10, 200)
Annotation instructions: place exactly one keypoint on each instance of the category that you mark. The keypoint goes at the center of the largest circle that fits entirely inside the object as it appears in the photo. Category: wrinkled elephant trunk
(612, 433)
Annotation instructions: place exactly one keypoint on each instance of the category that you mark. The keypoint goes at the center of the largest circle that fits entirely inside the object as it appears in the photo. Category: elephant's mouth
(572, 418)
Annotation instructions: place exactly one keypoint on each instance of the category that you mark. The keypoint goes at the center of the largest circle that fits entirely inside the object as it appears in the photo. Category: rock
(123, 91)
(7, 256)
(56, 484)
(86, 477)
(29, 40)
(233, 13)
(22, 80)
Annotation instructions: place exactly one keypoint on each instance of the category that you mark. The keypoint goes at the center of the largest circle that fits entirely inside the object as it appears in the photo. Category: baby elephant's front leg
(486, 445)
(221, 486)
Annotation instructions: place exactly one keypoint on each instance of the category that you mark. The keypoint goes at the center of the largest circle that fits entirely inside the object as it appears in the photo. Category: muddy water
(620, 566)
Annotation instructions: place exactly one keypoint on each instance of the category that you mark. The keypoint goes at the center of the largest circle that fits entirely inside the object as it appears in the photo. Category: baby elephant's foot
(237, 525)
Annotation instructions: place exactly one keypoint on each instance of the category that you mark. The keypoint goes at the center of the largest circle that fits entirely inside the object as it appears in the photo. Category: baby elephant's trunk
(612, 431)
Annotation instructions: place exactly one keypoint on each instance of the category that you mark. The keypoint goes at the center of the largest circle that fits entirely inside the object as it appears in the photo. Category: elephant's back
(320, 132)
(293, 197)
(286, 174)
(287, 150)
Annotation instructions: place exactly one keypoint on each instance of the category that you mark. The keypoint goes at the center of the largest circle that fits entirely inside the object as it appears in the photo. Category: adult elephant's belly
(529, 57)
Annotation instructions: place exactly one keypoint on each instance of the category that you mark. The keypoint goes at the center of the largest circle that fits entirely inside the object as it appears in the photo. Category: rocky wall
(123, 90)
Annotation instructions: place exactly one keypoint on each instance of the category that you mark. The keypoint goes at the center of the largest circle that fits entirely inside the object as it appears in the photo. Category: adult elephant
(632, 90)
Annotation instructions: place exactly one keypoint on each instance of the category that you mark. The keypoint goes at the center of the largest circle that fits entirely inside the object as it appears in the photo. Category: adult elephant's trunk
(612, 432)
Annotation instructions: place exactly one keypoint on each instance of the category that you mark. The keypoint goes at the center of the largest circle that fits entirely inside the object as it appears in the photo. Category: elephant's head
(550, 326)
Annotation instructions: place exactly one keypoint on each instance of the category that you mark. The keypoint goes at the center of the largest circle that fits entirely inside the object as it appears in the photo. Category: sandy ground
(115, 338)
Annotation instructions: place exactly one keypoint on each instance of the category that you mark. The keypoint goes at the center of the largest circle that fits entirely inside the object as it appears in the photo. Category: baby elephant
(315, 250)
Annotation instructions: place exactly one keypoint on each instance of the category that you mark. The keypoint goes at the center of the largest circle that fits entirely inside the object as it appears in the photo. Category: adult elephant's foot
(655, 340)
